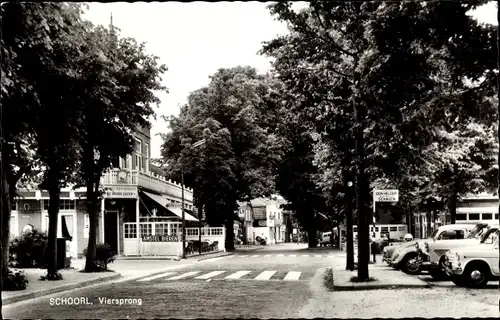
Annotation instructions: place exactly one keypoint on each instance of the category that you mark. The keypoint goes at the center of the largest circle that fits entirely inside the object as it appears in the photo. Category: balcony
(148, 181)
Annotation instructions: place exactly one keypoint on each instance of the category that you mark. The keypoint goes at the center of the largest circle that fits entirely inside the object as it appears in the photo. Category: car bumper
(452, 271)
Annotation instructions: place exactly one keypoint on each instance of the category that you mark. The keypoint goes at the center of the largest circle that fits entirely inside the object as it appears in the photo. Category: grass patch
(357, 280)
(328, 279)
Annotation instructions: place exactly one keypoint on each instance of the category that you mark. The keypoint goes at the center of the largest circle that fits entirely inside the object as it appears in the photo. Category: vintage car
(432, 254)
(406, 257)
(473, 266)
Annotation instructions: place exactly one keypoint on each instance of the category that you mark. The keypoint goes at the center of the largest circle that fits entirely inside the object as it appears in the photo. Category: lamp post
(194, 145)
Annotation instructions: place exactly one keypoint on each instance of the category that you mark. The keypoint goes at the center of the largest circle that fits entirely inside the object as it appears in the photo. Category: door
(71, 246)
(111, 230)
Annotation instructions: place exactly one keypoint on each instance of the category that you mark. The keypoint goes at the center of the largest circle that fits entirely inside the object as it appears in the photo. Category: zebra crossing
(281, 255)
(266, 275)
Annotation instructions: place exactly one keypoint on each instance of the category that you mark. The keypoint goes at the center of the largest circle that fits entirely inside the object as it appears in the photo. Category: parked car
(326, 239)
(474, 265)
(432, 253)
(406, 256)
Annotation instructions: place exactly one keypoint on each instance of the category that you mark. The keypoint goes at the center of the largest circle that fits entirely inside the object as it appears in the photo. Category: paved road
(273, 282)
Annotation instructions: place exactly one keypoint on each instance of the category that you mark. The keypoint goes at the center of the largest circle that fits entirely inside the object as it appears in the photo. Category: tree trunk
(5, 226)
(498, 100)
(428, 218)
(453, 205)
(54, 200)
(349, 222)
(229, 241)
(361, 197)
(92, 205)
(311, 236)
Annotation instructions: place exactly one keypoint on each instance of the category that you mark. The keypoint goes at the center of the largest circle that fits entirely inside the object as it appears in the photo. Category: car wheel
(410, 264)
(476, 275)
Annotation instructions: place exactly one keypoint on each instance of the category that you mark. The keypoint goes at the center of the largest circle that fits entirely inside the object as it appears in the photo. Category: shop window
(474, 216)
(146, 229)
(461, 217)
(26, 207)
(130, 231)
(161, 229)
(13, 206)
(487, 216)
(385, 229)
(393, 229)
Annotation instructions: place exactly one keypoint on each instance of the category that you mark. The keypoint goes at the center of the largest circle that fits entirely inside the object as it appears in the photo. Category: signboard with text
(121, 192)
(171, 238)
(391, 195)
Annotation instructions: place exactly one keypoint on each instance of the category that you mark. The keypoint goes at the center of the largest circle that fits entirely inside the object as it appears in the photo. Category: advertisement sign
(121, 192)
(172, 238)
(262, 223)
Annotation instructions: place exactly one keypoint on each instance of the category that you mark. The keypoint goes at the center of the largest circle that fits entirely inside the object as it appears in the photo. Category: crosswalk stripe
(163, 275)
(293, 255)
(292, 275)
(267, 255)
(237, 275)
(281, 255)
(184, 275)
(265, 275)
(305, 255)
(210, 275)
(318, 256)
(255, 256)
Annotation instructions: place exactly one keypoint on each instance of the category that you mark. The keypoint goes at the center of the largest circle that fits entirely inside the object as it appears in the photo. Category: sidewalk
(385, 277)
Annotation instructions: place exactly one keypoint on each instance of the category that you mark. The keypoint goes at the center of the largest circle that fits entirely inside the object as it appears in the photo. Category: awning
(164, 202)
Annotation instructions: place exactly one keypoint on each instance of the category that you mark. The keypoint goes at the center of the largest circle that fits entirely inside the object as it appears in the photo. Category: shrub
(15, 280)
(104, 255)
(29, 250)
(51, 277)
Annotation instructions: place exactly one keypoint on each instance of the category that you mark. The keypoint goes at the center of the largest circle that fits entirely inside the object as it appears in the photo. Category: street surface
(275, 282)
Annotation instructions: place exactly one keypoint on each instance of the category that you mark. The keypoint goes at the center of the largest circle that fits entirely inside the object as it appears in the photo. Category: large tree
(33, 38)
(237, 115)
(392, 59)
(117, 85)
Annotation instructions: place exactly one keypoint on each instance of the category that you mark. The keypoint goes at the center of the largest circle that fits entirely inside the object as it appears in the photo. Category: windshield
(477, 231)
(490, 235)
(433, 234)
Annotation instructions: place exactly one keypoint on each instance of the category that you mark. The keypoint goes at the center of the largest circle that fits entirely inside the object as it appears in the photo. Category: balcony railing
(149, 181)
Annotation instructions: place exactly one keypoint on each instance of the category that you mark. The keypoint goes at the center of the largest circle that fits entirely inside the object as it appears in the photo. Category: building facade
(268, 220)
(138, 202)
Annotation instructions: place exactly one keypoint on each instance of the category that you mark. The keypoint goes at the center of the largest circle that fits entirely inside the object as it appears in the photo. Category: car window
(491, 238)
(459, 234)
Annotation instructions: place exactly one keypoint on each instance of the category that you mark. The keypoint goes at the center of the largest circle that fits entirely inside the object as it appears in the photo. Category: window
(67, 205)
(385, 229)
(487, 216)
(377, 229)
(45, 205)
(496, 216)
(461, 216)
(393, 229)
(138, 145)
(137, 162)
(146, 229)
(26, 207)
(146, 159)
(402, 228)
(13, 206)
(192, 231)
(161, 229)
(115, 162)
(473, 216)
(130, 231)
(354, 229)
(175, 228)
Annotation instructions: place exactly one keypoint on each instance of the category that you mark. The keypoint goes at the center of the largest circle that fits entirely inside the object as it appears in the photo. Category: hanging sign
(386, 195)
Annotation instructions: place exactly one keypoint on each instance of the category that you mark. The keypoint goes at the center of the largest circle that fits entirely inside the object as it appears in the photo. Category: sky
(195, 39)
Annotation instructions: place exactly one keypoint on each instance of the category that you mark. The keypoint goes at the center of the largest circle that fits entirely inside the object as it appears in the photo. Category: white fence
(164, 238)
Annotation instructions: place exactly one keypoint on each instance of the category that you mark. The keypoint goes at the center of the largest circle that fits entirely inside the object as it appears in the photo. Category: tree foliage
(237, 115)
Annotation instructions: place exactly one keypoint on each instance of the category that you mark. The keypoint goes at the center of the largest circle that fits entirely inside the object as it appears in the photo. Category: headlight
(458, 256)
(416, 245)
(426, 247)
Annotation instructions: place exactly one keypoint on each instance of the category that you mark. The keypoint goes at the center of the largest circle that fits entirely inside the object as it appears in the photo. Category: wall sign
(171, 238)
(121, 192)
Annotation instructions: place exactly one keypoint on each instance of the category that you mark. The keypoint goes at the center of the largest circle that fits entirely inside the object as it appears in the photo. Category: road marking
(305, 255)
(292, 276)
(318, 256)
(267, 255)
(213, 259)
(293, 255)
(266, 275)
(237, 275)
(281, 255)
(255, 256)
(163, 275)
(210, 275)
(185, 275)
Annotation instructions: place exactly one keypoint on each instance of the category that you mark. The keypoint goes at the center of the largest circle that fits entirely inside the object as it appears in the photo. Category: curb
(67, 287)
(222, 255)
(379, 287)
